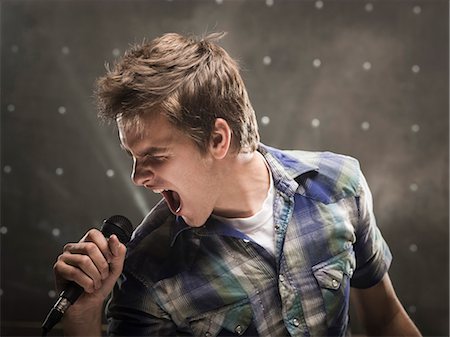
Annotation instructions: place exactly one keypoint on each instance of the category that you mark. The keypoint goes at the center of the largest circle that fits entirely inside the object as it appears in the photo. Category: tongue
(173, 200)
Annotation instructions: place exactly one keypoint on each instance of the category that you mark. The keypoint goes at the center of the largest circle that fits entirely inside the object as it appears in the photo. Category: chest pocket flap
(235, 318)
(330, 274)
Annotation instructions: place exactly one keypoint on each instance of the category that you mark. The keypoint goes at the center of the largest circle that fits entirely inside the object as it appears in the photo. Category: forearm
(398, 325)
(83, 323)
(381, 312)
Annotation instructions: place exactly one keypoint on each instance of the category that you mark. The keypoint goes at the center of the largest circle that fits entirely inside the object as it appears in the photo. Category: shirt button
(238, 330)
(281, 278)
(295, 322)
(335, 284)
(277, 227)
(350, 272)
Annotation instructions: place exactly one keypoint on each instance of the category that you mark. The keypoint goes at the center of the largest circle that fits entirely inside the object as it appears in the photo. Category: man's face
(167, 161)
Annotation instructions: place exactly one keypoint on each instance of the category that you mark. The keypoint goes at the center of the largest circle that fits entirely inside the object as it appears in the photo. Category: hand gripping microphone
(118, 225)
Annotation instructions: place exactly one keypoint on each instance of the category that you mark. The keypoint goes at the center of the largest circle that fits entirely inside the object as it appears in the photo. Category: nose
(141, 175)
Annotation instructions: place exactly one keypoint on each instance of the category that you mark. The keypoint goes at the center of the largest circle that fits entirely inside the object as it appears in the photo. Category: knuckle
(104, 268)
(70, 274)
(85, 260)
(91, 234)
(90, 247)
(57, 267)
(67, 247)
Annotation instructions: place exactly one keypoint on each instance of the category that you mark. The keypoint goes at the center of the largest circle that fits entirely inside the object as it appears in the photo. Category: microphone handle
(67, 297)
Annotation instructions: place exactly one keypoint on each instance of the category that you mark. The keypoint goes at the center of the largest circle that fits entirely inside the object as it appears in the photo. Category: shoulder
(337, 176)
(326, 176)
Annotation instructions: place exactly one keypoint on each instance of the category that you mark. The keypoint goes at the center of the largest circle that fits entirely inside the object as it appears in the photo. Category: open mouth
(173, 200)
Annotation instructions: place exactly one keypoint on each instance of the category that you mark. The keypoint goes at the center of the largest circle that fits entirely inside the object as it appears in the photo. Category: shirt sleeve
(132, 311)
(373, 256)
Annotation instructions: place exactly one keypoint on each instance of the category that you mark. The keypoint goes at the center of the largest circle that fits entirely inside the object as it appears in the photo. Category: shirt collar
(285, 169)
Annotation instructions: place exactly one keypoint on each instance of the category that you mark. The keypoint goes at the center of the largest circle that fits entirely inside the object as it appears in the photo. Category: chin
(194, 222)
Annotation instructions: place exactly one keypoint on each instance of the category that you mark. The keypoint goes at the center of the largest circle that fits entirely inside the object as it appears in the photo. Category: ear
(220, 139)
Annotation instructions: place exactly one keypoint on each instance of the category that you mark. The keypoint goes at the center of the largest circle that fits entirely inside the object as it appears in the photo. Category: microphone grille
(118, 225)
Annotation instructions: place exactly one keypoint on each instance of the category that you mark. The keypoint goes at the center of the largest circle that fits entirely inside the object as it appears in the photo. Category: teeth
(158, 191)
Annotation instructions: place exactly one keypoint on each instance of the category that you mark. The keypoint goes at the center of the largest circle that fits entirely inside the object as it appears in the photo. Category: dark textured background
(364, 78)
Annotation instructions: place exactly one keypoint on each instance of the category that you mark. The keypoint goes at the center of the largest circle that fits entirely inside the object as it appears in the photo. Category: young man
(248, 240)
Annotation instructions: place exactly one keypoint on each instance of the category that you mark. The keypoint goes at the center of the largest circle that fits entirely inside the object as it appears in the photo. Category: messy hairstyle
(190, 81)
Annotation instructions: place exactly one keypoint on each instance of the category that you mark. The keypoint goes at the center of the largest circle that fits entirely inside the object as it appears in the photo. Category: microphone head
(118, 225)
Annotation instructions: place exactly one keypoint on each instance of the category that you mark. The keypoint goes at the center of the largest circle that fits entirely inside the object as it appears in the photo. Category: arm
(381, 312)
(95, 263)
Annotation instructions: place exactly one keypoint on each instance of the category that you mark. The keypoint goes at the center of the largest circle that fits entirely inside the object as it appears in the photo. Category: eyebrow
(150, 151)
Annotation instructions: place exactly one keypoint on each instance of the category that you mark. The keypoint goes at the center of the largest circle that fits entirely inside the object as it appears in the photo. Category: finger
(114, 243)
(71, 273)
(85, 265)
(119, 251)
(92, 252)
(97, 237)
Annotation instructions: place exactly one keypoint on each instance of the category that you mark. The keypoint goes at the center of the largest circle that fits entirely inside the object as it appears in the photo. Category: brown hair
(190, 81)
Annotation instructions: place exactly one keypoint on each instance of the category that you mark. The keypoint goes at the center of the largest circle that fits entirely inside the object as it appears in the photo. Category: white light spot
(413, 248)
(315, 123)
(62, 110)
(3, 230)
(7, 169)
(65, 50)
(413, 187)
(368, 7)
(219, 2)
(59, 171)
(116, 52)
(415, 128)
(52, 294)
(417, 9)
(319, 4)
(412, 309)
(110, 173)
(1, 292)
(11, 107)
(269, 3)
(415, 69)
(15, 48)
(365, 126)
(56, 231)
(265, 120)
(367, 65)
(267, 60)
(317, 63)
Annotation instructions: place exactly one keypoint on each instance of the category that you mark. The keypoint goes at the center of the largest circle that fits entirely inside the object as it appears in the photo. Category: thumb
(118, 251)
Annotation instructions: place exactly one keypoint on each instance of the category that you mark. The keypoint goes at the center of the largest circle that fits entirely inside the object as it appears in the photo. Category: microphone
(118, 225)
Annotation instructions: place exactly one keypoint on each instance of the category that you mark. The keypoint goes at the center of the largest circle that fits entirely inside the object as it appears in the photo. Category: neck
(245, 186)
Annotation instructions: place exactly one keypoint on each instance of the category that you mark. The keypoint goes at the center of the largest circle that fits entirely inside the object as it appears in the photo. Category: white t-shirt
(260, 226)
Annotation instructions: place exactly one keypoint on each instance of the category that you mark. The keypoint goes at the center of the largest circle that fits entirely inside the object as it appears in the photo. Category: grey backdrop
(363, 78)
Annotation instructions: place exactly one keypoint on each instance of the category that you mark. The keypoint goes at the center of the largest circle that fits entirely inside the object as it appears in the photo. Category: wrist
(83, 321)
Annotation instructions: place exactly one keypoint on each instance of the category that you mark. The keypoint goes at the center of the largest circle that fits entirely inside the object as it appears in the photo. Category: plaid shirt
(215, 281)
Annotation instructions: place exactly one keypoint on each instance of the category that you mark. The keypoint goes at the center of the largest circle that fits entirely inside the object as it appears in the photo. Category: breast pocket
(234, 319)
(333, 277)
